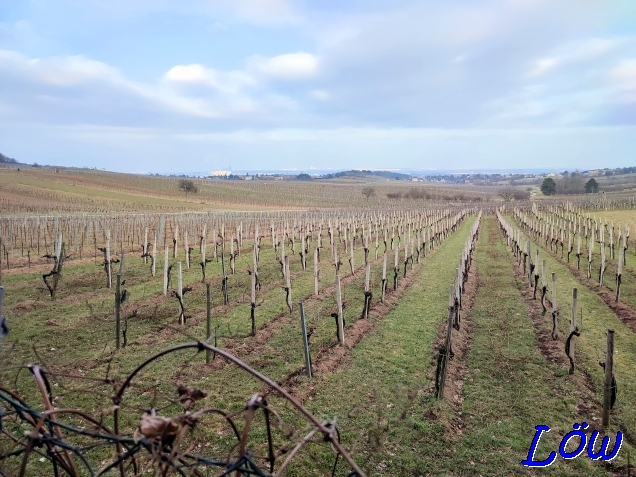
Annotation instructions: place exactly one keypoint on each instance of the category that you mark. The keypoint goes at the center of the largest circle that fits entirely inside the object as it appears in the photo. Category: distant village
(480, 179)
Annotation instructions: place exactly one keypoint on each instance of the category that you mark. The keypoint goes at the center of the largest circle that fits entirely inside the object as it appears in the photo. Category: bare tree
(506, 194)
(368, 191)
(511, 193)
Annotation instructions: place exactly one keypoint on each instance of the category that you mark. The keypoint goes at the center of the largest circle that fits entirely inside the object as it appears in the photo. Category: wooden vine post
(619, 273)
(253, 303)
(367, 291)
(303, 253)
(351, 259)
(529, 265)
(609, 374)
(58, 269)
(555, 308)
(118, 301)
(316, 271)
(180, 293)
(574, 331)
(4, 329)
(144, 247)
(395, 268)
(208, 320)
(447, 343)
(255, 260)
(154, 257)
(590, 252)
(232, 256)
(204, 260)
(187, 250)
(282, 258)
(383, 277)
(226, 300)
(544, 287)
(288, 289)
(109, 270)
(174, 242)
(303, 329)
(536, 274)
(165, 272)
(340, 318)
(602, 266)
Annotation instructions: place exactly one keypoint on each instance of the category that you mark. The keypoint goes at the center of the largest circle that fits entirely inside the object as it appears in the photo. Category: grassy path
(510, 387)
(590, 346)
(380, 391)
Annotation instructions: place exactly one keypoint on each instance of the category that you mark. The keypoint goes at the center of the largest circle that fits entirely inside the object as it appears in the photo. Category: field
(42, 190)
(373, 276)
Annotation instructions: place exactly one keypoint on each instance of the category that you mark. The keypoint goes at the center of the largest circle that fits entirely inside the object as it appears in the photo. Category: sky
(198, 85)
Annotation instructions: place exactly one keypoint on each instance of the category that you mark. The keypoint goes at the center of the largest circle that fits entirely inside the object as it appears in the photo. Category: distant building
(220, 173)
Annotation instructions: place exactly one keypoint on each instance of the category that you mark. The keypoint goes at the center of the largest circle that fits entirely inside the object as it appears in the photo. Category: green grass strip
(510, 387)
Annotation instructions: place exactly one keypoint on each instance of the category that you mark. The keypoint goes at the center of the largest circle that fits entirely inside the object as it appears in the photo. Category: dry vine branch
(160, 440)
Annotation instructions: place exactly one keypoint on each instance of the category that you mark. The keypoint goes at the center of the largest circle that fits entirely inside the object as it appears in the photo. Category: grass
(389, 373)
(81, 342)
(510, 387)
(597, 318)
(381, 390)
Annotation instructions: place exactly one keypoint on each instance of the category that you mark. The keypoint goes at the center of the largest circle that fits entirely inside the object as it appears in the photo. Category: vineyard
(177, 336)
(59, 190)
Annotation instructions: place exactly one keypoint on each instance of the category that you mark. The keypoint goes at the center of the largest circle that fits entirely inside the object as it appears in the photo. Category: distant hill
(7, 160)
(364, 173)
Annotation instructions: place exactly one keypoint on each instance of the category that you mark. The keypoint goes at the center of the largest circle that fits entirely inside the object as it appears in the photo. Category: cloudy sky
(196, 85)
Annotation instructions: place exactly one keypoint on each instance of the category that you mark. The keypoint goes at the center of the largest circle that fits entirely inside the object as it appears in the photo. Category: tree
(570, 185)
(303, 177)
(368, 191)
(510, 193)
(7, 160)
(549, 186)
(506, 194)
(187, 185)
(591, 186)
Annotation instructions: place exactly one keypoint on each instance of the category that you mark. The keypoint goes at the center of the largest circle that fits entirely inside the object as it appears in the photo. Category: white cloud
(580, 51)
(432, 67)
(66, 71)
(270, 11)
(81, 85)
(292, 66)
(228, 82)
(320, 94)
(624, 74)
(254, 11)
(544, 65)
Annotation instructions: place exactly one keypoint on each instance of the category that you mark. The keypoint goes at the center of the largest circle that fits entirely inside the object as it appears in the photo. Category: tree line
(568, 185)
